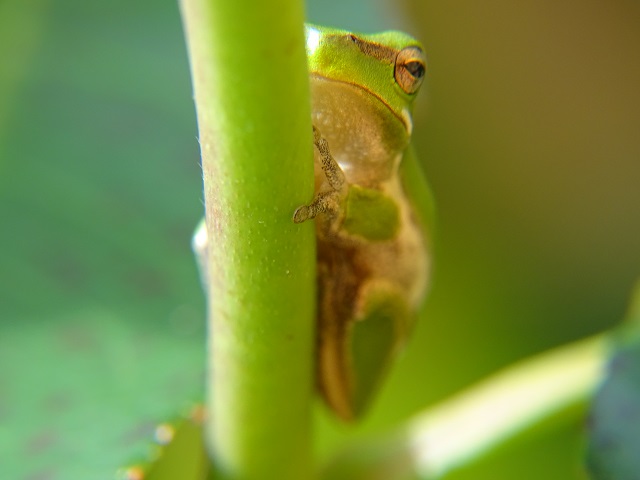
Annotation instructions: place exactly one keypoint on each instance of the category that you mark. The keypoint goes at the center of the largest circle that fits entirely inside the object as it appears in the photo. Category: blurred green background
(530, 135)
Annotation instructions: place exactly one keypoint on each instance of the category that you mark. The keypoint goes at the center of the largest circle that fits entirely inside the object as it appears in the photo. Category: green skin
(373, 264)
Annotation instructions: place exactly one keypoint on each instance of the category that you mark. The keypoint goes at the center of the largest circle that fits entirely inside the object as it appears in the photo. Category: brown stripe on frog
(375, 50)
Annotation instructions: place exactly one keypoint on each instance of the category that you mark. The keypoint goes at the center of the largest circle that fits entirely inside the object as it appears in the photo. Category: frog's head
(389, 65)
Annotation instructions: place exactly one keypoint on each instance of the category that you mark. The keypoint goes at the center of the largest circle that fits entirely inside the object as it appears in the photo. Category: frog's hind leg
(374, 339)
(356, 352)
(328, 201)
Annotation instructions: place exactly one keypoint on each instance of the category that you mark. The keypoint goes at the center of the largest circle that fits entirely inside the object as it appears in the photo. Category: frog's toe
(301, 214)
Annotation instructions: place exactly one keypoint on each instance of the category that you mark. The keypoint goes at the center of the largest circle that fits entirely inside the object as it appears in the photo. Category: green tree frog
(372, 261)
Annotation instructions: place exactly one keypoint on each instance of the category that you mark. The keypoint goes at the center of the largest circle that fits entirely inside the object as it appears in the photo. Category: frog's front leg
(327, 201)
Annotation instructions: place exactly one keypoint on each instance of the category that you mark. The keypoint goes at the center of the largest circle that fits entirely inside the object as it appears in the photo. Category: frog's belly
(349, 261)
(364, 136)
(349, 270)
(367, 140)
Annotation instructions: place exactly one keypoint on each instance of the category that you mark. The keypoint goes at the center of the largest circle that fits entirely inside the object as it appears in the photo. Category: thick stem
(250, 79)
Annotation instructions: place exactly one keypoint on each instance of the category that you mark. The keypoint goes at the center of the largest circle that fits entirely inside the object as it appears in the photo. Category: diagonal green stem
(251, 88)
(480, 419)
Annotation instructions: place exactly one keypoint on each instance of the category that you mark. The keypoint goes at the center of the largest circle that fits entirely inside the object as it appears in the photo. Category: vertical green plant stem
(250, 79)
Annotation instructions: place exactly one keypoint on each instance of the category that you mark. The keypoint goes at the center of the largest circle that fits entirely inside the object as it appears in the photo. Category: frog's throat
(404, 117)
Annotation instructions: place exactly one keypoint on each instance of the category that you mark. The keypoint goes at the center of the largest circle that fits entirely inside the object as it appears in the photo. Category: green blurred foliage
(614, 417)
(528, 133)
(101, 314)
(530, 141)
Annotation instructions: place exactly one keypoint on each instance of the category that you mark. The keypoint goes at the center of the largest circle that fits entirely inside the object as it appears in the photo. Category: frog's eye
(410, 69)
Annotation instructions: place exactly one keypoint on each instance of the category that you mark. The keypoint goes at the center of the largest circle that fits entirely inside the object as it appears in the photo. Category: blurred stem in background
(251, 89)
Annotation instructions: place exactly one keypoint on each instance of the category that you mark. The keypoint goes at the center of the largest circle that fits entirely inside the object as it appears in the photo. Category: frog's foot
(328, 201)
(324, 202)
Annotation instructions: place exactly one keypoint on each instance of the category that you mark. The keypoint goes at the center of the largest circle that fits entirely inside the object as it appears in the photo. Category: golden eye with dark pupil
(410, 69)
(415, 68)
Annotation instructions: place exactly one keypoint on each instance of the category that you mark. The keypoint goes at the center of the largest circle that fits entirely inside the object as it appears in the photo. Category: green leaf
(180, 453)
(614, 439)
